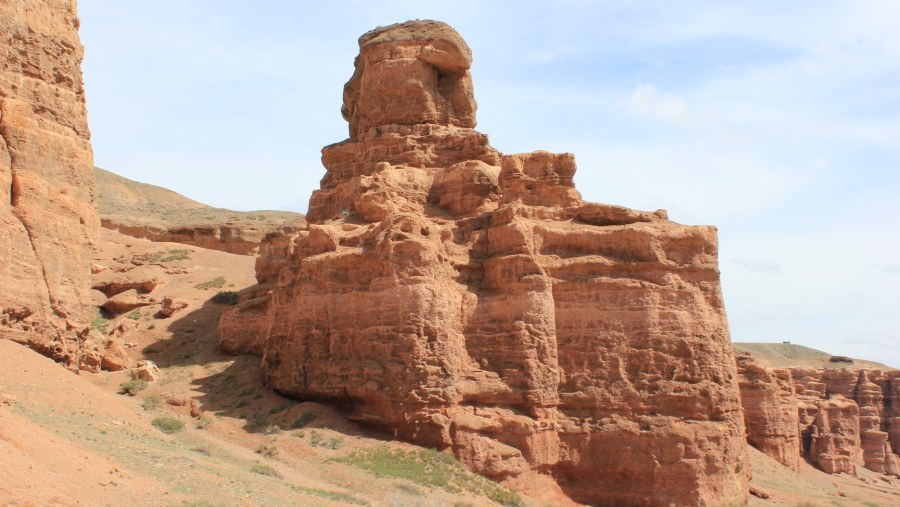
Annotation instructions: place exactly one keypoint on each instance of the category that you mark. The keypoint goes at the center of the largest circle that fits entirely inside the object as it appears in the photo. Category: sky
(778, 122)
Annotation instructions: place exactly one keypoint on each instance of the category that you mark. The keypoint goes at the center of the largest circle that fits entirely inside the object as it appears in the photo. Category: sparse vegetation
(304, 419)
(265, 470)
(330, 495)
(167, 425)
(204, 422)
(99, 321)
(258, 423)
(409, 489)
(133, 314)
(315, 438)
(215, 283)
(268, 450)
(272, 429)
(169, 256)
(132, 387)
(333, 443)
(281, 408)
(226, 297)
(152, 401)
(431, 469)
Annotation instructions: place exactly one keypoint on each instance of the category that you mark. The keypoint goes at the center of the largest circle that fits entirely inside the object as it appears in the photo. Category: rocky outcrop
(47, 214)
(469, 300)
(770, 411)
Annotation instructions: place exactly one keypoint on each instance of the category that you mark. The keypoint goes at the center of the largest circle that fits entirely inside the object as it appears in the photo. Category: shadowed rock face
(469, 300)
(47, 215)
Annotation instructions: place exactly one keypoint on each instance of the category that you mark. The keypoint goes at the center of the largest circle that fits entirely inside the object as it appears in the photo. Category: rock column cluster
(836, 419)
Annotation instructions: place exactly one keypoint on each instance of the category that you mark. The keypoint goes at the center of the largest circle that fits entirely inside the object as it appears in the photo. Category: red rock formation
(47, 215)
(834, 441)
(873, 393)
(243, 327)
(770, 411)
(471, 301)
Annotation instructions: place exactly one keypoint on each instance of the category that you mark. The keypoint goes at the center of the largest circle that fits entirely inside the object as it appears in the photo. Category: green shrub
(132, 387)
(99, 321)
(226, 297)
(204, 422)
(152, 401)
(265, 470)
(333, 443)
(133, 314)
(167, 424)
(272, 429)
(304, 419)
(215, 283)
(169, 256)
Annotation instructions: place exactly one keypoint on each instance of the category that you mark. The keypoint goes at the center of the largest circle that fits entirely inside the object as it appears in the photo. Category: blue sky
(778, 122)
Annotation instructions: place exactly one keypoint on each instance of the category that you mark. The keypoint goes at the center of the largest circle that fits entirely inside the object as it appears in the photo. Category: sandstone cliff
(47, 214)
(470, 300)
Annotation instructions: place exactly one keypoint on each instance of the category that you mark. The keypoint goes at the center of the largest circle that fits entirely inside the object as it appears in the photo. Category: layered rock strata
(843, 418)
(47, 214)
(873, 393)
(471, 301)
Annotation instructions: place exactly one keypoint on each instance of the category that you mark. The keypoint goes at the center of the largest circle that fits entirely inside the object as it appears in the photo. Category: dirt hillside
(786, 355)
(148, 211)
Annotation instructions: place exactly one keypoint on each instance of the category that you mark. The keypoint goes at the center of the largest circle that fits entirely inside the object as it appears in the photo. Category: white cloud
(648, 101)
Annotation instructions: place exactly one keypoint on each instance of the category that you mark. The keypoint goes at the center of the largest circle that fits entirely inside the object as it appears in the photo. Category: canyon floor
(68, 439)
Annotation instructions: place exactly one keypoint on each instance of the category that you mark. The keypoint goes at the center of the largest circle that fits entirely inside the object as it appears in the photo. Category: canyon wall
(472, 301)
(47, 214)
(836, 419)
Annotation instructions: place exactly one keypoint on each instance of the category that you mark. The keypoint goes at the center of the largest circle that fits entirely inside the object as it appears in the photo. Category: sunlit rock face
(771, 414)
(469, 300)
(47, 214)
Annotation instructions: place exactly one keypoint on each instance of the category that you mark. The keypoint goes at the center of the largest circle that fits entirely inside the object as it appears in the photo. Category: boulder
(145, 370)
